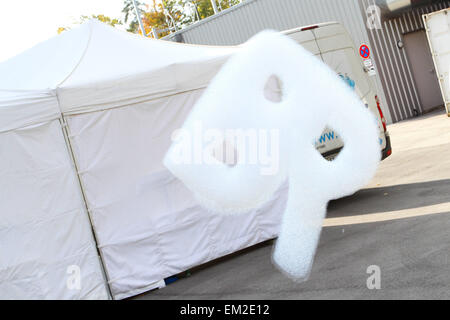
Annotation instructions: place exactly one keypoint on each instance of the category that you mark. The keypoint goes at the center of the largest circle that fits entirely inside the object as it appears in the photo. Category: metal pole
(66, 133)
(197, 14)
(139, 18)
(213, 2)
(155, 33)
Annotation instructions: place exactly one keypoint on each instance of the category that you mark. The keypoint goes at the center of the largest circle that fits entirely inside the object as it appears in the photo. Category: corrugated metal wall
(239, 23)
(395, 72)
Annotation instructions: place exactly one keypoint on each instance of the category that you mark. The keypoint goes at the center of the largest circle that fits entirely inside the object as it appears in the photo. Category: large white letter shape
(313, 97)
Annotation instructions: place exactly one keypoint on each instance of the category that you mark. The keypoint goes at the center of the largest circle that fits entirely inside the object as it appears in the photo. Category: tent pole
(138, 15)
(66, 134)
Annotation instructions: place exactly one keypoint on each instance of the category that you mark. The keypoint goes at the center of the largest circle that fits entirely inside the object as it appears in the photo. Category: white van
(332, 44)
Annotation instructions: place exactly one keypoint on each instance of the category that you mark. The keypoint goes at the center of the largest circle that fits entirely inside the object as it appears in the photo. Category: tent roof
(96, 66)
(95, 52)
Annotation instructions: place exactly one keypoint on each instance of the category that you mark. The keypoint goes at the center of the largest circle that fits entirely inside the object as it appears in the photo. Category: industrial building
(394, 31)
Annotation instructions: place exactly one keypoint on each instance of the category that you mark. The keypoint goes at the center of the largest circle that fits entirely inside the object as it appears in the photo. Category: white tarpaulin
(148, 224)
(122, 96)
(45, 235)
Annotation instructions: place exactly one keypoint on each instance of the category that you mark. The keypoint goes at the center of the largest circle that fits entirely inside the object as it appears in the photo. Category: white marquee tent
(85, 120)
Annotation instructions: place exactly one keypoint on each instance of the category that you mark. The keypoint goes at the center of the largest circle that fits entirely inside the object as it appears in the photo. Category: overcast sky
(24, 23)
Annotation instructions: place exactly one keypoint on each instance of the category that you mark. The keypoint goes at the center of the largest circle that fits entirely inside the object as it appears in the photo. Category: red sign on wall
(364, 51)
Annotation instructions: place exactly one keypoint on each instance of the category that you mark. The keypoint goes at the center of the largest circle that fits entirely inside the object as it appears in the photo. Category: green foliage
(183, 12)
(100, 17)
(205, 8)
(130, 14)
(159, 15)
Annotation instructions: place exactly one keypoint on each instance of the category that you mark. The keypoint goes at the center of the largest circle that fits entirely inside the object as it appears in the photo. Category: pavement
(399, 223)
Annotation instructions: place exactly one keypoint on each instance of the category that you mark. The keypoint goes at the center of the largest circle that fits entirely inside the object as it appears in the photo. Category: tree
(165, 17)
(130, 14)
(201, 9)
(205, 8)
(170, 15)
(100, 17)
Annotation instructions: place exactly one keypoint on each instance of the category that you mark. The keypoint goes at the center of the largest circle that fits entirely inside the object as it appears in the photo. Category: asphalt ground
(399, 223)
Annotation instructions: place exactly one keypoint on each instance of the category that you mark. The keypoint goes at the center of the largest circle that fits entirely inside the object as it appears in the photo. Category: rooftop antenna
(138, 15)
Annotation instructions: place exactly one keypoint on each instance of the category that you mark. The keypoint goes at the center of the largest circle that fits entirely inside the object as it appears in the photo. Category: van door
(337, 51)
(328, 141)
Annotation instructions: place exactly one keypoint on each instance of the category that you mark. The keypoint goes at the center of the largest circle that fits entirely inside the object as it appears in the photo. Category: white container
(437, 26)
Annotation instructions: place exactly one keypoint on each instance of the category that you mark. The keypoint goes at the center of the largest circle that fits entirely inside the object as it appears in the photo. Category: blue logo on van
(348, 80)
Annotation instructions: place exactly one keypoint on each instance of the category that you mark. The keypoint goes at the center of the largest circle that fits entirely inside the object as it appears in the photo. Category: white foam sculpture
(312, 97)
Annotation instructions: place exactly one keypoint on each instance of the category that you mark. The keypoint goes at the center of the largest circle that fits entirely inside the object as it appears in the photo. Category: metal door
(423, 71)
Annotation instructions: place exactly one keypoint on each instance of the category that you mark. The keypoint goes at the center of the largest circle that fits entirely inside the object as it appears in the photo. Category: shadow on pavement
(392, 198)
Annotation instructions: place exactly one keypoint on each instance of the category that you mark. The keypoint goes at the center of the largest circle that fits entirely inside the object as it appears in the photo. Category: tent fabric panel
(22, 108)
(163, 230)
(144, 86)
(44, 227)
